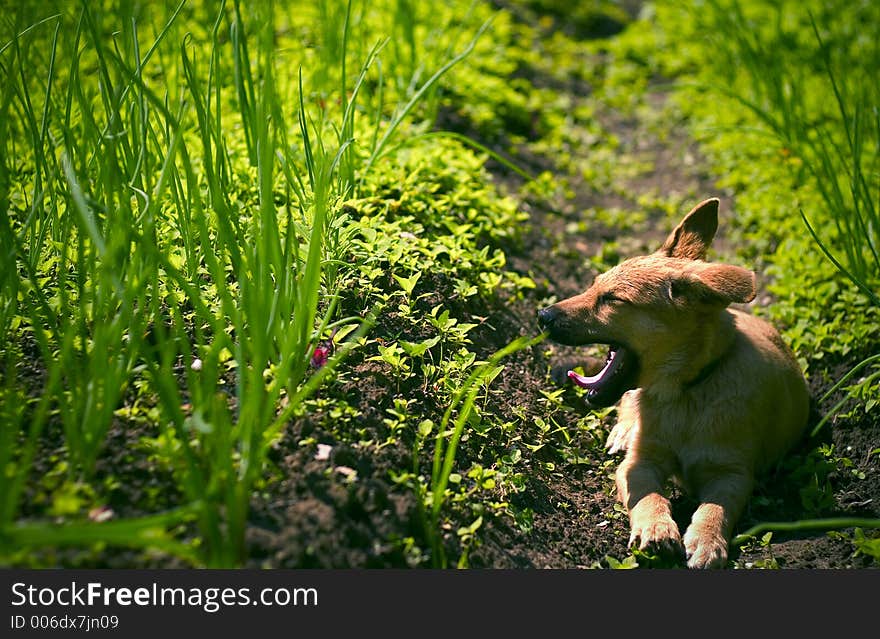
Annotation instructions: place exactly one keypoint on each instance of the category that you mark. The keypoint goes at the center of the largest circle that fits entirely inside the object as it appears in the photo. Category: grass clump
(179, 215)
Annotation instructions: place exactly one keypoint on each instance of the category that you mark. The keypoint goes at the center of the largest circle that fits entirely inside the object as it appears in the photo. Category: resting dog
(709, 396)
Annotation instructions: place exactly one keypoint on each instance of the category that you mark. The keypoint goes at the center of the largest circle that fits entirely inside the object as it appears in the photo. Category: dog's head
(647, 308)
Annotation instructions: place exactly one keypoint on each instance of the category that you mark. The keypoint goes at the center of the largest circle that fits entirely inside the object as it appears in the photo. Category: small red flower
(323, 351)
(321, 355)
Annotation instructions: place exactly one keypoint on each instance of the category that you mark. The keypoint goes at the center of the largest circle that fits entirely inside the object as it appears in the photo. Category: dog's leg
(639, 486)
(722, 499)
(627, 424)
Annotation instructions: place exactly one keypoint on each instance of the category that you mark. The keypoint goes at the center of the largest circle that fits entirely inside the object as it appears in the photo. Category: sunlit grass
(827, 116)
(158, 243)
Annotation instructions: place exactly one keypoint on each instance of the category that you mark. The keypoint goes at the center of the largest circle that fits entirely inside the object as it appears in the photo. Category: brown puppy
(711, 395)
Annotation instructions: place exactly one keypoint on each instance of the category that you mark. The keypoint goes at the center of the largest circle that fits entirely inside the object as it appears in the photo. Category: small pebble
(323, 453)
(350, 473)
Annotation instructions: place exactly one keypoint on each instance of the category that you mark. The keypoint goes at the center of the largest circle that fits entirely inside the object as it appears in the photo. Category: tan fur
(719, 396)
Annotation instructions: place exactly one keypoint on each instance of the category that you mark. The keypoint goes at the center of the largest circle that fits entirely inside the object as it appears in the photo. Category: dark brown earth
(347, 511)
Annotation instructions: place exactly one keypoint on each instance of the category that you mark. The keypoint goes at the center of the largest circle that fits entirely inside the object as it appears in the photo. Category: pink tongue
(593, 381)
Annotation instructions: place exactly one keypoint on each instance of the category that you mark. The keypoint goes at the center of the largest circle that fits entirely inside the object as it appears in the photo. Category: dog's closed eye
(609, 298)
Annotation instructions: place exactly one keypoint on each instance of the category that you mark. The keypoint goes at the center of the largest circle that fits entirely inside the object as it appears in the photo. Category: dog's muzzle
(618, 375)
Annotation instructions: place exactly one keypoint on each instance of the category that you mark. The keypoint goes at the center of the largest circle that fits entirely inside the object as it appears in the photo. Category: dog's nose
(546, 317)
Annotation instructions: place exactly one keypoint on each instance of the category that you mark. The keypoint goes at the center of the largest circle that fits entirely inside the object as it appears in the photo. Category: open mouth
(617, 376)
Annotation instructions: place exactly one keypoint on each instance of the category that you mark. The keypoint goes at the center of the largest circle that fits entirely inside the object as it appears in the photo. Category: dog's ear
(692, 237)
(714, 284)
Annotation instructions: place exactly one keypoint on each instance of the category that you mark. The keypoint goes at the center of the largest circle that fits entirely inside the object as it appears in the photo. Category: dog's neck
(668, 375)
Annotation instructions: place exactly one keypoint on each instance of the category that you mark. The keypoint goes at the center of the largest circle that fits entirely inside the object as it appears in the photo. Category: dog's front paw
(705, 548)
(658, 533)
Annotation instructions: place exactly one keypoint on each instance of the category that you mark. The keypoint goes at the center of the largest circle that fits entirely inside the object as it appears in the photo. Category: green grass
(825, 114)
(173, 237)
